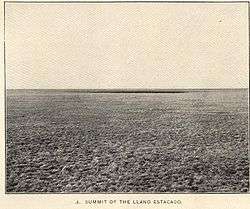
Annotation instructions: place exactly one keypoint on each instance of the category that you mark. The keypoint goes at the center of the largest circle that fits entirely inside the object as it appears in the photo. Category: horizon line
(136, 88)
(131, 90)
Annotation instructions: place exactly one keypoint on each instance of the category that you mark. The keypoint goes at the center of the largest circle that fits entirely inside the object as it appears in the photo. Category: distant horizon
(125, 89)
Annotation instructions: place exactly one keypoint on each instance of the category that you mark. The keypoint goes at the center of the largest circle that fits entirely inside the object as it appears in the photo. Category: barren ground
(66, 141)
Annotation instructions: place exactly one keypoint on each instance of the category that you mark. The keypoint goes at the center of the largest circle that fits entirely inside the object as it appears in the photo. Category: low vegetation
(88, 142)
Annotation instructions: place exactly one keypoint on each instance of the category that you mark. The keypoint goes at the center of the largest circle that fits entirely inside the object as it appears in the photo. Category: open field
(71, 141)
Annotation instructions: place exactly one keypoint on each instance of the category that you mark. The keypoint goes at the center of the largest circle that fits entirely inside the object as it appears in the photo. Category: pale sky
(142, 45)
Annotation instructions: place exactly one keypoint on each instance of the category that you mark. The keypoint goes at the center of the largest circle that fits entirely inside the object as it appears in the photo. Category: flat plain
(74, 141)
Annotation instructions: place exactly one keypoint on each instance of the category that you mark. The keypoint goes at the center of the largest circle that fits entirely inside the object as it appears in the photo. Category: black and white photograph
(126, 97)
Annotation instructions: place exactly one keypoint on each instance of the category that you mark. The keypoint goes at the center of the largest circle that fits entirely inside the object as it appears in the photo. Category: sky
(135, 45)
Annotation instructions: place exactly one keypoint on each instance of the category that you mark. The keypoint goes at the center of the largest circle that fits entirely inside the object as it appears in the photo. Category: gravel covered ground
(66, 141)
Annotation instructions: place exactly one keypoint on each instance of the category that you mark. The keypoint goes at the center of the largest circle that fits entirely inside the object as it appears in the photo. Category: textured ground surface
(80, 142)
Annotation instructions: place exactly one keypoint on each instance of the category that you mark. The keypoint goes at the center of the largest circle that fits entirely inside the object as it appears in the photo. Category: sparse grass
(83, 142)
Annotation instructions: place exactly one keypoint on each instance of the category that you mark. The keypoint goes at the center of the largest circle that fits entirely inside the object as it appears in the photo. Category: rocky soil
(83, 142)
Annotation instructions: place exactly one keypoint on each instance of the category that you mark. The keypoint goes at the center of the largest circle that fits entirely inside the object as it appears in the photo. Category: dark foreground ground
(66, 141)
